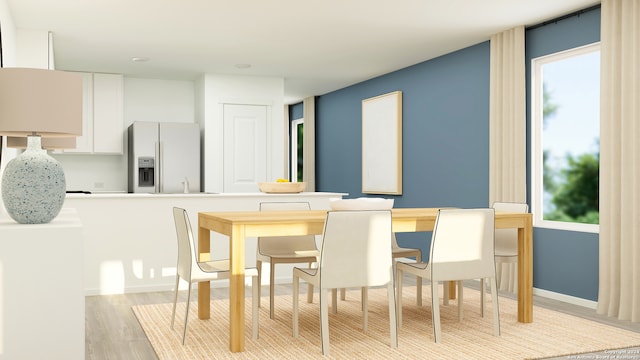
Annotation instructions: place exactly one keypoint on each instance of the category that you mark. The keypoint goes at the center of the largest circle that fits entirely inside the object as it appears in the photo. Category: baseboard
(565, 298)
(153, 288)
(286, 280)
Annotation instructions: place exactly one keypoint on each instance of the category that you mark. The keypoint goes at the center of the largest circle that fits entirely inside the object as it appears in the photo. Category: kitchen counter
(130, 239)
(123, 195)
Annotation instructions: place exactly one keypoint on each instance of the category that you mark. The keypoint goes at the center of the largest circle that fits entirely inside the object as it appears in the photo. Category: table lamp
(36, 104)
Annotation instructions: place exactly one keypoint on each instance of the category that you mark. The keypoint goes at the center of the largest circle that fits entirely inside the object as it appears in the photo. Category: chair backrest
(285, 244)
(356, 249)
(186, 245)
(507, 239)
(462, 245)
(394, 242)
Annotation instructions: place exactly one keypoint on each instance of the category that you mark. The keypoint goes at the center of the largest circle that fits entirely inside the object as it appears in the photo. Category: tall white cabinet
(42, 288)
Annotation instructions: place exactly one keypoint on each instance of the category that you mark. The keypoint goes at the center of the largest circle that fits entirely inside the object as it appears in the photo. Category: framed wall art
(382, 144)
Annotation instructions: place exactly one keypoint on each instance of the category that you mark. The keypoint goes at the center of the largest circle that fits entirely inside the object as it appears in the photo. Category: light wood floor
(112, 331)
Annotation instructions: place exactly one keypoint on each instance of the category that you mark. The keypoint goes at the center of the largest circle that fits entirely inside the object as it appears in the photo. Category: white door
(245, 147)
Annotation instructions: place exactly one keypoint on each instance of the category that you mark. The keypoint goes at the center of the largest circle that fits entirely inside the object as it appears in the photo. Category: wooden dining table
(239, 225)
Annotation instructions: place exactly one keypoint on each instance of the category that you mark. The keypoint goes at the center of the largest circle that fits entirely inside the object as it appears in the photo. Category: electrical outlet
(98, 185)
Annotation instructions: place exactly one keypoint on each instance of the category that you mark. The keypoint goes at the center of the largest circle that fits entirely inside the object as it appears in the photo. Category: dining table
(239, 225)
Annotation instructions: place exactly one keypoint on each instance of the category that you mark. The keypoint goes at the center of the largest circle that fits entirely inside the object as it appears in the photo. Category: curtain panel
(619, 268)
(507, 118)
(309, 143)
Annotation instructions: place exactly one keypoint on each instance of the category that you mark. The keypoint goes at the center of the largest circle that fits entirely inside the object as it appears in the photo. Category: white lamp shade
(39, 101)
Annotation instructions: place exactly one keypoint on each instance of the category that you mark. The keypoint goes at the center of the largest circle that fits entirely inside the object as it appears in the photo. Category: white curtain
(619, 286)
(309, 143)
(287, 141)
(507, 118)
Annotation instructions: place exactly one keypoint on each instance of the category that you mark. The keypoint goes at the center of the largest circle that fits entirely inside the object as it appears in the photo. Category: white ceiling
(316, 46)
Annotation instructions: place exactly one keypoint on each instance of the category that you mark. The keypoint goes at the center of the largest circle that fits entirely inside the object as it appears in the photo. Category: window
(297, 133)
(565, 132)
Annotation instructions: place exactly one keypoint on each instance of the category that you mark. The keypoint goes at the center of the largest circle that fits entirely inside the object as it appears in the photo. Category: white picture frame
(382, 144)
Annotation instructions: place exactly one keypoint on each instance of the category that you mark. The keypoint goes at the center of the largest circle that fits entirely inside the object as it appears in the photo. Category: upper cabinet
(102, 115)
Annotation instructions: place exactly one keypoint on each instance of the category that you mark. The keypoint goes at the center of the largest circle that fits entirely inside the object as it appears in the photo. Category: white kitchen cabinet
(102, 115)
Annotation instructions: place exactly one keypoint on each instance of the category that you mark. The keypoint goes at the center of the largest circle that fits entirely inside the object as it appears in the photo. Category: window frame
(536, 140)
(293, 150)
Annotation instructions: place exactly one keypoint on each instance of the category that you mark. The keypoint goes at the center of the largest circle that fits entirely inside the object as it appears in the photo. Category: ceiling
(315, 46)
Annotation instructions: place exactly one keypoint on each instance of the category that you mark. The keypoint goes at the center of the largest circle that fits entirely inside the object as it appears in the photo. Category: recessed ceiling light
(139, 59)
(243, 66)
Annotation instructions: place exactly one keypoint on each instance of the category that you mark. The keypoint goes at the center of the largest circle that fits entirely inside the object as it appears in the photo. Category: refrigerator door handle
(158, 168)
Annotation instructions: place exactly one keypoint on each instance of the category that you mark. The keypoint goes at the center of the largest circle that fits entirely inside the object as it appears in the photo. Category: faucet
(185, 184)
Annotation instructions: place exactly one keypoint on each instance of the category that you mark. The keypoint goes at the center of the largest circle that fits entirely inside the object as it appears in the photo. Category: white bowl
(282, 187)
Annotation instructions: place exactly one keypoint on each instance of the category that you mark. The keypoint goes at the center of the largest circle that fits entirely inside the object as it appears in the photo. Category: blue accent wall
(446, 147)
(296, 111)
(445, 144)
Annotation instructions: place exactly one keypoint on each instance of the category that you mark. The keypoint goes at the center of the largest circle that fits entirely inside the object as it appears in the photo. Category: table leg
(236, 289)
(204, 289)
(525, 272)
(452, 290)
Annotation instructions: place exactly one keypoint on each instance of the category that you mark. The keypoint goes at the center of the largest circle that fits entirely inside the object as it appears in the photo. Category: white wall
(216, 90)
(144, 100)
(158, 100)
(33, 49)
(8, 35)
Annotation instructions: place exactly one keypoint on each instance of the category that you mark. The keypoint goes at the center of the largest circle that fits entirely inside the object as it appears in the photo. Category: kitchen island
(130, 240)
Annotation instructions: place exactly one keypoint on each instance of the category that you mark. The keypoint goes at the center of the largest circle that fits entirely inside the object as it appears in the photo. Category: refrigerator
(164, 157)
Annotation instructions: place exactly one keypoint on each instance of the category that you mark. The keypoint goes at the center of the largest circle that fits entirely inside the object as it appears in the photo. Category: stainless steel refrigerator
(164, 157)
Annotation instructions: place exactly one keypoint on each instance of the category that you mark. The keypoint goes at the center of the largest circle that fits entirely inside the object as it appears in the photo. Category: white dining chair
(402, 254)
(355, 252)
(192, 271)
(507, 249)
(462, 246)
(285, 249)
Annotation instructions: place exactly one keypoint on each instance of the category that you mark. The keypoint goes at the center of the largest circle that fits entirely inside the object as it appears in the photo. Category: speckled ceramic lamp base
(33, 185)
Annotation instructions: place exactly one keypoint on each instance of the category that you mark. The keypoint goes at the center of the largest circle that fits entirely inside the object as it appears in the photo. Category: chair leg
(482, 293)
(496, 308)
(435, 309)
(186, 314)
(272, 279)
(393, 324)
(296, 287)
(399, 297)
(175, 301)
(324, 321)
(310, 293)
(343, 294)
(255, 293)
(418, 291)
(365, 309)
(445, 296)
(259, 267)
(310, 289)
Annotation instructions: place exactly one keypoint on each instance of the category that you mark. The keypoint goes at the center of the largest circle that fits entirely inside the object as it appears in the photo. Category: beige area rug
(551, 334)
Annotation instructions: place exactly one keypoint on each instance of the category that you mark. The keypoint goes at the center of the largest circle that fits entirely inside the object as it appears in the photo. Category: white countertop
(107, 195)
